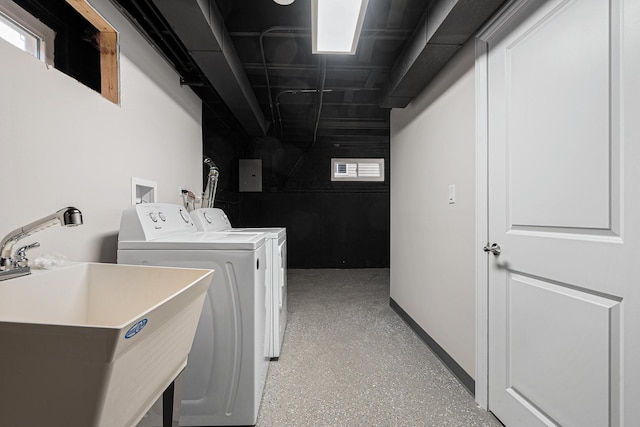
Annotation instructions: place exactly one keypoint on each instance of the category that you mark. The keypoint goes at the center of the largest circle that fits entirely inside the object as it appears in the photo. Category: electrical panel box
(250, 175)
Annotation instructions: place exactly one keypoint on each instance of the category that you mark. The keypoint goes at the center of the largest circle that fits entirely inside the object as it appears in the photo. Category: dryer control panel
(210, 219)
(150, 221)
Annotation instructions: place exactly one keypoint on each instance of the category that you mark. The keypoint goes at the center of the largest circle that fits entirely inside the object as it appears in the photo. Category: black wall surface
(329, 224)
(326, 230)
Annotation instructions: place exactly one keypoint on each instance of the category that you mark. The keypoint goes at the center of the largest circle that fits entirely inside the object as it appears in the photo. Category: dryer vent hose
(209, 195)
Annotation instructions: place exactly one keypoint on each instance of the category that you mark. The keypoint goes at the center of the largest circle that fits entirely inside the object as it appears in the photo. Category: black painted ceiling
(351, 85)
(306, 97)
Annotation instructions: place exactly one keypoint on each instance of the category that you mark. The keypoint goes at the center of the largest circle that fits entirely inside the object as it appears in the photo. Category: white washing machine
(215, 220)
(227, 367)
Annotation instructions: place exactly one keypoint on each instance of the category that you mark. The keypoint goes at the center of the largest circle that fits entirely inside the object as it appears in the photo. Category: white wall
(62, 144)
(432, 241)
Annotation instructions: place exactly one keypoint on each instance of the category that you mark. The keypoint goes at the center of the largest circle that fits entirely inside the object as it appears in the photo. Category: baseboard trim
(448, 361)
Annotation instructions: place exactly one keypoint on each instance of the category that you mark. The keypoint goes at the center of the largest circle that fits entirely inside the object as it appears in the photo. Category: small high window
(85, 44)
(19, 36)
(357, 169)
(27, 33)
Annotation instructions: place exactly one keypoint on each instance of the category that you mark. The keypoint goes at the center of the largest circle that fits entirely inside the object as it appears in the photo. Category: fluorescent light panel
(336, 25)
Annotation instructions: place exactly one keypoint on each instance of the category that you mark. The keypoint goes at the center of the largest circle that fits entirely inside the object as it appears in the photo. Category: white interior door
(564, 207)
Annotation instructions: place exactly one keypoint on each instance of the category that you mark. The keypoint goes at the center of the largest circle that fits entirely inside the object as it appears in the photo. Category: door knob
(494, 248)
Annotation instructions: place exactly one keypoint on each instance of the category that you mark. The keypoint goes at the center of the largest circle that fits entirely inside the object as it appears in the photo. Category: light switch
(452, 194)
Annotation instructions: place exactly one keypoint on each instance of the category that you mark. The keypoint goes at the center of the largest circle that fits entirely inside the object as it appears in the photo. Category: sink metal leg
(171, 402)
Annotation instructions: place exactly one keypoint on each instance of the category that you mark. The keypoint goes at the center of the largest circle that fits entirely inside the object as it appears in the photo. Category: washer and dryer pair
(227, 367)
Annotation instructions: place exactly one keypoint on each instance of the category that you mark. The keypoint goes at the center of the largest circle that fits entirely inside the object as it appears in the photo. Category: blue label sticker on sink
(135, 328)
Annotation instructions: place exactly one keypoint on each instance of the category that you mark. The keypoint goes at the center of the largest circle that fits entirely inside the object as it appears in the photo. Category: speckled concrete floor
(349, 360)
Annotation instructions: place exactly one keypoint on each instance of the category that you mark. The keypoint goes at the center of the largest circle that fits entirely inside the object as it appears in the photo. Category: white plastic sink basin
(94, 344)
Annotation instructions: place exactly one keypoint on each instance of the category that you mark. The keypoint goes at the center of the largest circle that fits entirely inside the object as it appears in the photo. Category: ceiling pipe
(266, 69)
(199, 25)
(323, 79)
(320, 91)
(160, 34)
(297, 32)
(446, 26)
(294, 92)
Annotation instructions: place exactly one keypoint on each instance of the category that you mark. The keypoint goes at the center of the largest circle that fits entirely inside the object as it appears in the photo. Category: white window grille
(357, 170)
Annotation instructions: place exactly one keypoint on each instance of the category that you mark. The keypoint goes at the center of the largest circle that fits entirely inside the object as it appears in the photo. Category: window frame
(24, 19)
(354, 174)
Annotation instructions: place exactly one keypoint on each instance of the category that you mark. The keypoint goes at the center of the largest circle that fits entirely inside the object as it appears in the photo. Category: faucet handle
(21, 258)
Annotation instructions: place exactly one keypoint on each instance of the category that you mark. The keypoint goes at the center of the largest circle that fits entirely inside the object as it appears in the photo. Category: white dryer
(227, 367)
(215, 220)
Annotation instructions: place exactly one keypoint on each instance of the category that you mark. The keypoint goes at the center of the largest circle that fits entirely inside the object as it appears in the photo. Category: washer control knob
(207, 217)
(153, 216)
(185, 216)
(162, 216)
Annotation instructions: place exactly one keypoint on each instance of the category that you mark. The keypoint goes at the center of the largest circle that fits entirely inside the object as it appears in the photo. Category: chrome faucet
(17, 265)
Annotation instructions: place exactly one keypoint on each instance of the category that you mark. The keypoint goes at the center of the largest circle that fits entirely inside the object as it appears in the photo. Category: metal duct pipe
(446, 26)
(198, 24)
(209, 195)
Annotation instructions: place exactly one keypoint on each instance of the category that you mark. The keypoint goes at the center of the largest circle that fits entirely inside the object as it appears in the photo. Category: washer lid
(272, 232)
(199, 241)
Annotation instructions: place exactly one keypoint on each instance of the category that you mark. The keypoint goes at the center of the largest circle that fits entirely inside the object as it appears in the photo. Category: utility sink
(90, 344)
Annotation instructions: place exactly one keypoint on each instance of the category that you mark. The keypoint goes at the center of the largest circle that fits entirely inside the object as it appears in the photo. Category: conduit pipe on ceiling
(266, 69)
(161, 33)
(306, 32)
(293, 92)
(323, 78)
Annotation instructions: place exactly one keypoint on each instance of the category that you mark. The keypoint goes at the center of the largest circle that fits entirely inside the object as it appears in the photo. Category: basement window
(357, 170)
(25, 32)
(70, 35)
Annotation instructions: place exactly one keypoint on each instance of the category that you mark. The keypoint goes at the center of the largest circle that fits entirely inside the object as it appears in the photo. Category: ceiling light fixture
(336, 25)
(284, 2)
